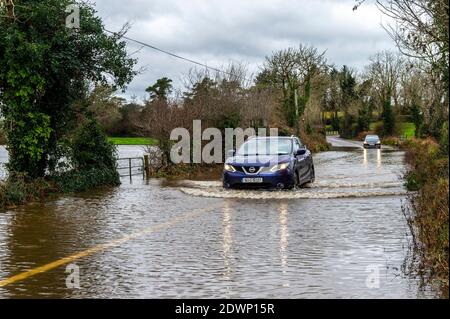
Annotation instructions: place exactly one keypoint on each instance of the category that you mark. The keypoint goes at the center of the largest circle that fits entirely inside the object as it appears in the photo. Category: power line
(171, 54)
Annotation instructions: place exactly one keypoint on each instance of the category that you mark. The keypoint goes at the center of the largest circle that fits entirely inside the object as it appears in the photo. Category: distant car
(372, 141)
(269, 162)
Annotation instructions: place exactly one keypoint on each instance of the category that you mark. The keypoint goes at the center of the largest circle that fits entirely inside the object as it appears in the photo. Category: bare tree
(385, 71)
(420, 30)
(421, 26)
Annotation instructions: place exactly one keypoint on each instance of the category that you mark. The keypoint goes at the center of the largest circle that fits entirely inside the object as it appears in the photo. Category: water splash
(296, 194)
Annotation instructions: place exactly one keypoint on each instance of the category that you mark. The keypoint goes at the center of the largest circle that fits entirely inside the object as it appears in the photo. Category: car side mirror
(231, 153)
(301, 151)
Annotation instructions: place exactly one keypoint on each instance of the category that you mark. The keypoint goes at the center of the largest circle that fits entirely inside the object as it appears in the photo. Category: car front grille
(247, 169)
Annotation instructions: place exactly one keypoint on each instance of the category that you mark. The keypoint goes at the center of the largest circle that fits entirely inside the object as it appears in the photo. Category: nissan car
(269, 162)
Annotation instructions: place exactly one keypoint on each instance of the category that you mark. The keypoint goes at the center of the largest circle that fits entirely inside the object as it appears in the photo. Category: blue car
(269, 162)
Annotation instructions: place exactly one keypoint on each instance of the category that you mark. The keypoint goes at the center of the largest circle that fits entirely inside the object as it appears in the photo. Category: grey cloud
(216, 32)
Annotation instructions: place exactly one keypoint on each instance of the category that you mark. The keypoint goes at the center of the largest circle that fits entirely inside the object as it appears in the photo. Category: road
(344, 237)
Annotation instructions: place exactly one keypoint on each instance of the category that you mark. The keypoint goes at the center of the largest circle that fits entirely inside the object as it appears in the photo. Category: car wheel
(313, 174)
(312, 177)
(297, 180)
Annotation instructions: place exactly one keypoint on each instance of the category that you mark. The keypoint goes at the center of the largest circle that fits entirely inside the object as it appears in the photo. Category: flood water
(343, 237)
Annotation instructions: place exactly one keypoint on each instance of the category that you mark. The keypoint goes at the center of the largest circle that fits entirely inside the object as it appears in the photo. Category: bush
(335, 123)
(425, 162)
(427, 210)
(378, 127)
(93, 160)
(93, 164)
(80, 181)
(19, 189)
(391, 140)
(315, 142)
(388, 118)
(92, 149)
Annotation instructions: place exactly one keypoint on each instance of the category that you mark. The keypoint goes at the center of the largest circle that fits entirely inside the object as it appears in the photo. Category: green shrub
(315, 142)
(412, 183)
(93, 159)
(335, 123)
(19, 189)
(388, 118)
(92, 149)
(391, 140)
(14, 191)
(80, 181)
(378, 128)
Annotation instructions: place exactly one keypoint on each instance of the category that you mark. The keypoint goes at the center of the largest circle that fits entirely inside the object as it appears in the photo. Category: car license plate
(252, 180)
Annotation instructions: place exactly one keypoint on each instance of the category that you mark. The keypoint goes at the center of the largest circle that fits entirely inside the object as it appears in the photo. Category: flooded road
(343, 237)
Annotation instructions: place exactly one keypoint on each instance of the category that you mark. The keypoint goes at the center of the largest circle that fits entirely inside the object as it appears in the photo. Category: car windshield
(372, 138)
(267, 146)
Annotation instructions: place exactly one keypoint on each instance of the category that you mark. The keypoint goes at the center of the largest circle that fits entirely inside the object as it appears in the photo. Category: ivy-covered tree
(292, 71)
(388, 118)
(347, 85)
(45, 67)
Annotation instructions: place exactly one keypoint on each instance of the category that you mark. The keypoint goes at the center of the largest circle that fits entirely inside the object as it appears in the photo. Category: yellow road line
(99, 248)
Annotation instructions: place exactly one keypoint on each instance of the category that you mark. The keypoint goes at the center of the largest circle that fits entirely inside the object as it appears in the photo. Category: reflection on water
(283, 212)
(378, 158)
(227, 240)
(371, 152)
(309, 243)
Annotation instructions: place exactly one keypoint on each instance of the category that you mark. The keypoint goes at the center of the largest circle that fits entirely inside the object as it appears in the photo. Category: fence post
(129, 162)
(147, 166)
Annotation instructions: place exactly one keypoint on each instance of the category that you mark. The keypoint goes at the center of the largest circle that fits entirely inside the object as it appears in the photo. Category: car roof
(267, 137)
(372, 136)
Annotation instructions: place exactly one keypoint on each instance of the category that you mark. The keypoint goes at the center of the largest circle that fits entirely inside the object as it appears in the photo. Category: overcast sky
(217, 32)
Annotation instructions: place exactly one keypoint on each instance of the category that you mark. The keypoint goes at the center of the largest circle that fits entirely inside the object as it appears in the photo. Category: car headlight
(279, 167)
(229, 168)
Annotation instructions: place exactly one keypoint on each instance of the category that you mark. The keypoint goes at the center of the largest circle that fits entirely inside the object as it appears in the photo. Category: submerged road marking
(101, 247)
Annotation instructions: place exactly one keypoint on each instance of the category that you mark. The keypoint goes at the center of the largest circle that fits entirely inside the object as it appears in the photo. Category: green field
(408, 129)
(404, 128)
(133, 140)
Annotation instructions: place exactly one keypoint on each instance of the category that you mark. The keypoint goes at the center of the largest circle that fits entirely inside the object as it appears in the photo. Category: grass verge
(133, 140)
